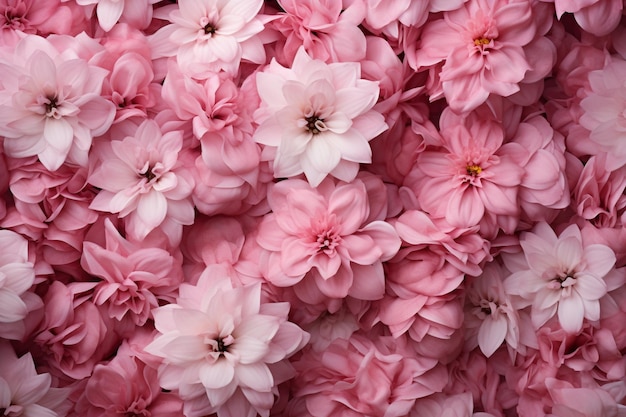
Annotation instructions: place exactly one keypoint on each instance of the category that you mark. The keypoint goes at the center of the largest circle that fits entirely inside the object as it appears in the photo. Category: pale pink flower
(23, 391)
(17, 275)
(559, 275)
(316, 118)
(223, 350)
(604, 111)
(109, 12)
(441, 405)
(599, 17)
(211, 35)
(483, 46)
(328, 30)
(490, 317)
(142, 179)
(570, 401)
(134, 277)
(50, 104)
(323, 237)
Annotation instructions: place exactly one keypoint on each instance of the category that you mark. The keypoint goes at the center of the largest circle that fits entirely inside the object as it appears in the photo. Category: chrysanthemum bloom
(484, 46)
(16, 277)
(604, 108)
(223, 350)
(322, 238)
(211, 35)
(559, 275)
(142, 179)
(316, 118)
(24, 392)
(50, 103)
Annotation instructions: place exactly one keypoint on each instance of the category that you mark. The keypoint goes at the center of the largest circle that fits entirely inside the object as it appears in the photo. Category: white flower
(317, 118)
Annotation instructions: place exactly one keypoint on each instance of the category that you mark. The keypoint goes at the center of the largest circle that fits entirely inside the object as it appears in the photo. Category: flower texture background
(312, 208)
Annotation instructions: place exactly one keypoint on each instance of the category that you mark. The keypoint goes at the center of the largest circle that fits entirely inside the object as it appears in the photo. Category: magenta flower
(222, 348)
(141, 179)
(50, 105)
(323, 236)
(316, 118)
(559, 275)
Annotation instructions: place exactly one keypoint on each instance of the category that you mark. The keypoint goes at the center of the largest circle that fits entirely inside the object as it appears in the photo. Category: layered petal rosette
(316, 118)
(223, 350)
(322, 238)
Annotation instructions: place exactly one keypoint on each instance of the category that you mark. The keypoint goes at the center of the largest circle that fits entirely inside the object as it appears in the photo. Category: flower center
(482, 41)
(327, 241)
(473, 170)
(209, 29)
(221, 345)
(314, 124)
(51, 106)
(149, 175)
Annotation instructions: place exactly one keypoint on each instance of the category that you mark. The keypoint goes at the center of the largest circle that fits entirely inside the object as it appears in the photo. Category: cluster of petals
(223, 350)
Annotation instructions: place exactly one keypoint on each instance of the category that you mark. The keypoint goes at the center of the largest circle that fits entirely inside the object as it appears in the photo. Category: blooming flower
(141, 178)
(220, 347)
(559, 275)
(210, 35)
(322, 237)
(50, 105)
(316, 118)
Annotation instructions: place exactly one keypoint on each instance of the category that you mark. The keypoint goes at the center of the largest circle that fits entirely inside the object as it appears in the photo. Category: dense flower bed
(232, 208)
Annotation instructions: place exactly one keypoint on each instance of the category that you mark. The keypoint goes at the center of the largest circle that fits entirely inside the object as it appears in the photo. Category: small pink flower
(322, 236)
(51, 105)
(24, 392)
(316, 118)
(223, 350)
(142, 179)
(109, 12)
(559, 275)
(40, 17)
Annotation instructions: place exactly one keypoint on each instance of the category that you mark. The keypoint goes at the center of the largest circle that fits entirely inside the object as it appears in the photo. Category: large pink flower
(209, 35)
(559, 275)
(142, 179)
(483, 46)
(323, 236)
(50, 103)
(316, 118)
(222, 349)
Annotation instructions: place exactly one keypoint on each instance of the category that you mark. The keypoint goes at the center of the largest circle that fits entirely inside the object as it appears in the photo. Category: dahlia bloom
(50, 103)
(211, 35)
(604, 111)
(24, 392)
(559, 275)
(482, 44)
(316, 118)
(16, 277)
(599, 17)
(109, 12)
(223, 350)
(322, 238)
(32, 16)
(142, 179)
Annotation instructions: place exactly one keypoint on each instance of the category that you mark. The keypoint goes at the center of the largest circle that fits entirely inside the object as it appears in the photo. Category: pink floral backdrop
(239, 208)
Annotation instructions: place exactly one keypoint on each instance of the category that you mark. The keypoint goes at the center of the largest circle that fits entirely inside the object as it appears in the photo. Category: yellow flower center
(473, 170)
(481, 41)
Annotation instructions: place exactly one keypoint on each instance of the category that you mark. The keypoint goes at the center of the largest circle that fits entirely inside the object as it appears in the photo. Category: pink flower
(110, 11)
(328, 30)
(126, 386)
(316, 118)
(482, 44)
(604, 108)
(599, 17)
(222, 349)
(559, 275)
(322, 237)
(490, 317)
(211, 35)
(472, 177)
(32, 16)
(134, 277)
(570, 401)
(16, 277)
(50, 105)
(439, 405)
(24, 392)
(142, 179)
